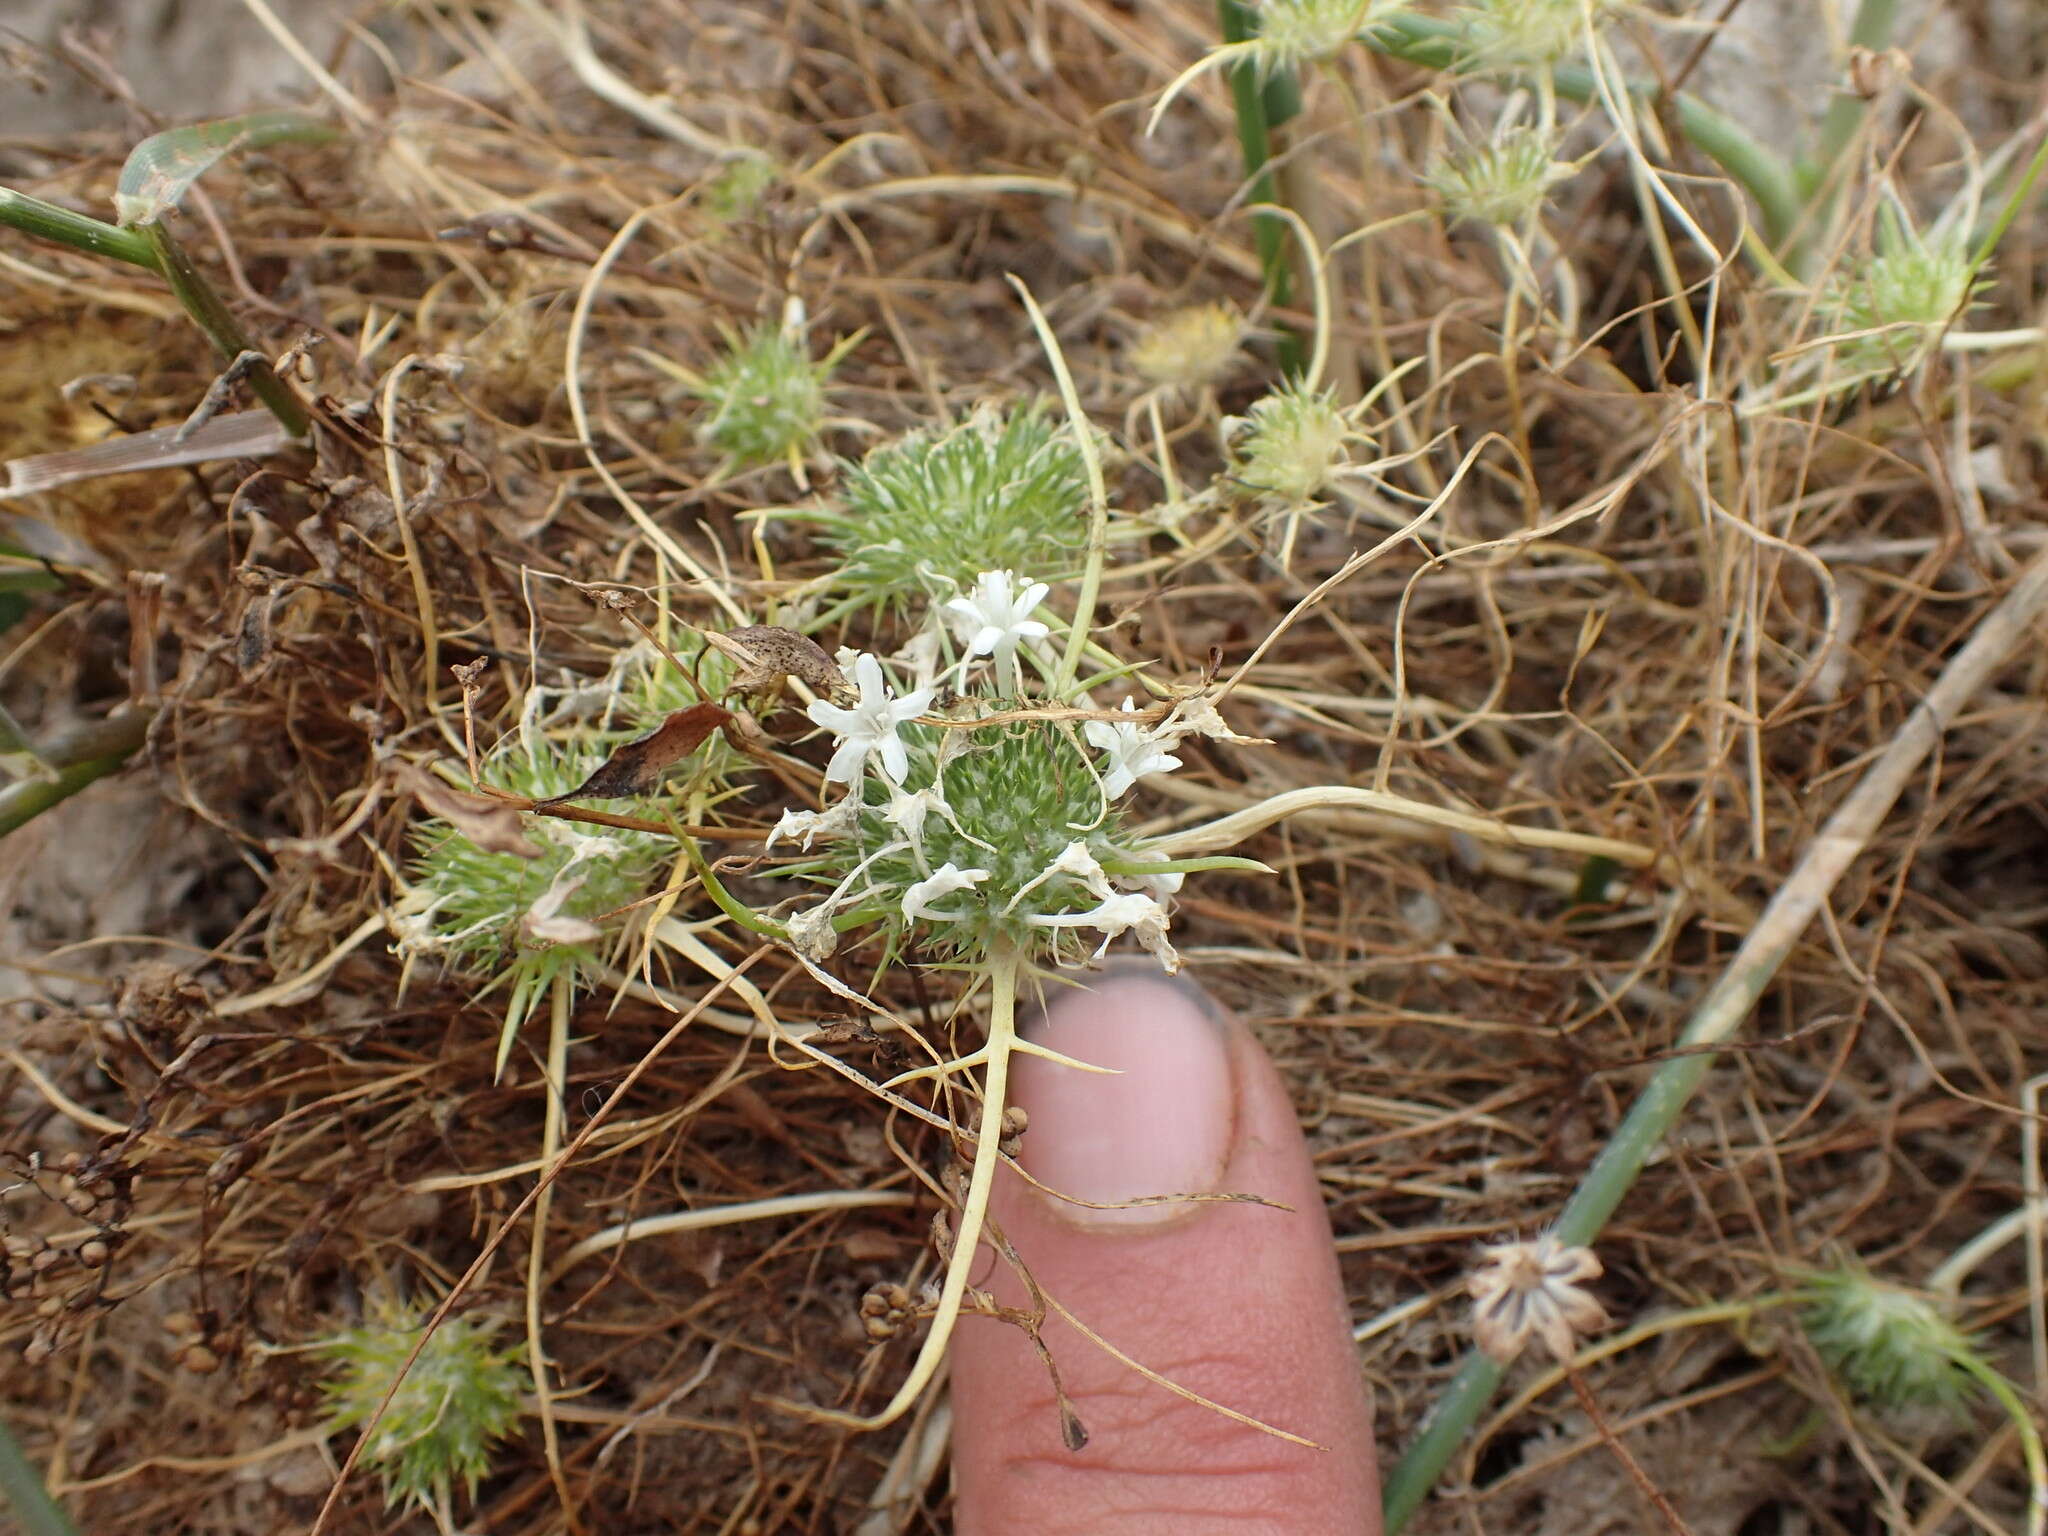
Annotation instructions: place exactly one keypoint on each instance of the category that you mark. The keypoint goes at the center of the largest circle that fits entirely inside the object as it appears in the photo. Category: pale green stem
(222, 329)
(23, 1485)
(60, 226)
(2030, 1437)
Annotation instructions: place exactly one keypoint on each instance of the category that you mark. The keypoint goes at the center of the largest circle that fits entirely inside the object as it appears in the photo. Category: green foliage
(459, 1399)
(528, 922)
(1890, 1348)
(1501, 180)
(1909, 289)
(767, 397)
(926, 514)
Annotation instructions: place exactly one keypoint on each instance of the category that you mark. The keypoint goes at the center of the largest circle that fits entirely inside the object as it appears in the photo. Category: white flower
(1117, 915)
(1133, 752)
(833, 821)
(944, 881)
(869, 728)
(997, 618)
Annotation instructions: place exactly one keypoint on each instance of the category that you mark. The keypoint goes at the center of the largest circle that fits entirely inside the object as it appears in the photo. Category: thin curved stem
(981, 1179)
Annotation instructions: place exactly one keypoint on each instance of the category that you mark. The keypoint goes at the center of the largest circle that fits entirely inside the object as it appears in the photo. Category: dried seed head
(1188, 349)
(1534, 1288)
(1292, 33)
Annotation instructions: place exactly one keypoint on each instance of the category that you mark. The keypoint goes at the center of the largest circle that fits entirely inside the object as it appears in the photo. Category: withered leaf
(493, 825)
(767, 653)
(638, 766)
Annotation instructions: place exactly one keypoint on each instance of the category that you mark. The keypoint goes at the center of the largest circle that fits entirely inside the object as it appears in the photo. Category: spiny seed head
(767, 397)
(1526, 34)
(525, 921)
(1188, 349)
(459, 1399)
(1500, 181)
(1291, 444)
(736, 191)
(923, 516)
(1890, 1348)
(1907, 291)
(1292, 33)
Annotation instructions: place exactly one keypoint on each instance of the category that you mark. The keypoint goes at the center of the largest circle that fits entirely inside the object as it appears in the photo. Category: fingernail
(1162, 1125)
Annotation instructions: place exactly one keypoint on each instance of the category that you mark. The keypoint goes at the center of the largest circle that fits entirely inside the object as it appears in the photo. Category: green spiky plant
(1005, 489)
(530, 926)
(446, 1413)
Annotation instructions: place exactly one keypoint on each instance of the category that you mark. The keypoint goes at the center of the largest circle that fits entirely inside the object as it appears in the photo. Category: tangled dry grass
(1641, 617)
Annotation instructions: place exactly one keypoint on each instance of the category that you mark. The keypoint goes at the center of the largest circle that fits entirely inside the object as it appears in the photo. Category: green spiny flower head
(1890, 1348)
(459, 1399)
(967, 841)
(924, 515)
(1906, 292)
(1526, 34)
(1291, 444)
(1499, 181)
(528, 921)
(767, 397)
(1292, 33)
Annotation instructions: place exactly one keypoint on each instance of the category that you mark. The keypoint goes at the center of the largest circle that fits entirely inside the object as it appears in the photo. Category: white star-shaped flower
(997, 618)
(868, 729)
(1129, 912)
(1133, 752)
(944, 881)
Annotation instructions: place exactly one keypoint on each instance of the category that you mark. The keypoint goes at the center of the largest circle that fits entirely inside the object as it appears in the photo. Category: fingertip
(1237, 1301)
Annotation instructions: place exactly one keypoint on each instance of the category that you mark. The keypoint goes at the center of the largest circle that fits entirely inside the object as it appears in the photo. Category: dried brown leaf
(493, 825)
(637, 767)
(767, 653)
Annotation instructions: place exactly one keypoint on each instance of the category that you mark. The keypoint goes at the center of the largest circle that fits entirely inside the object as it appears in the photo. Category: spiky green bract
(459, 1399)
(1017, 798)
(1500, 181)
(526, 922)
(767, 397)
(923, 516)
(1907, 291)
(1292, 33)
(1290, 444)
(736, 191)
(1524, 34)
(1890, 1348)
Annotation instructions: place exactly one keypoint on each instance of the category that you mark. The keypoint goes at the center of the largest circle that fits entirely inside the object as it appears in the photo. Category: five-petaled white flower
(869, 728)
(997, 618)
(1133, 752)
(1128, 912)
(944, 881)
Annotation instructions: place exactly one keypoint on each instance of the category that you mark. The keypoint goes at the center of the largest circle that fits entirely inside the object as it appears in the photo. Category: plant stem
(1872, 29)
(2030, 1437)
(23, 1484)
(1262, 107)
(214, 318)
(1846, 834)
(1767, 177)
(87, 757)
(47, 221)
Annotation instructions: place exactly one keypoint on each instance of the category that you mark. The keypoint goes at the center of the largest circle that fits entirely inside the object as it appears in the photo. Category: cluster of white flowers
(1010, 832)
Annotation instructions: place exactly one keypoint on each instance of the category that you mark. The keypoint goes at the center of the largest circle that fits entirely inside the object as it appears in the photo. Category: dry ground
(1460, 1045)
